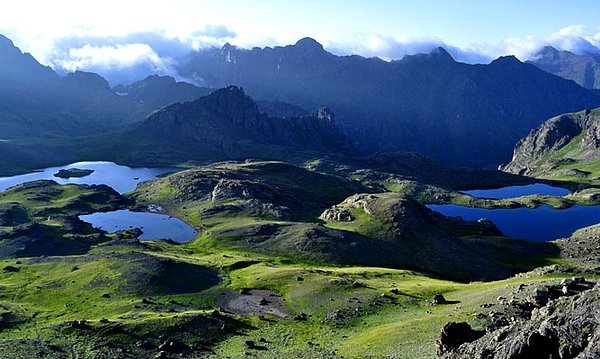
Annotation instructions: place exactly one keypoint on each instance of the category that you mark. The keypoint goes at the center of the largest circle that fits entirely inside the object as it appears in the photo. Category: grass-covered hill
(288, 263)
(284, 210)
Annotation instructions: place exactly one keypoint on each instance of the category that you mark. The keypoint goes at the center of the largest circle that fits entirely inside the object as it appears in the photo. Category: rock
(453, 335)
(439, 299)
(10, 269)
(174, 346)
(539, 298)
(566, 327)
(250, 344)
(301, 317)
(357, 284)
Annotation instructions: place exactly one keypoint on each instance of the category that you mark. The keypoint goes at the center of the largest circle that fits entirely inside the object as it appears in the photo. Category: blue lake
(539, 224)
(121, 178)
(518, 191)
(154, 226)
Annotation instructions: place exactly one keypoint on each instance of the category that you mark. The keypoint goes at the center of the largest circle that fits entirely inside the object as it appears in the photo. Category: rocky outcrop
(560, 140)
(233, 188)
(582, 247)
(566, 325)
(454, 335)
(343, 212)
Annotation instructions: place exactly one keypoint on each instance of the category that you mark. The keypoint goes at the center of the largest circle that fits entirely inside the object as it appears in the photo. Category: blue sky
(116, 34)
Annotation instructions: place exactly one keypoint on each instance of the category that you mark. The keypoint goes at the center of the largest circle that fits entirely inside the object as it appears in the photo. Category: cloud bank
(131, 57)
(394, 48)
(125, 59)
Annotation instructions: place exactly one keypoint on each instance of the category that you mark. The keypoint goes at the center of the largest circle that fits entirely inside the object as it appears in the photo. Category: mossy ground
(352, 311)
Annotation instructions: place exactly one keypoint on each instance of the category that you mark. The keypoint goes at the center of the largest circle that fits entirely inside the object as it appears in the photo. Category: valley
(261, 226)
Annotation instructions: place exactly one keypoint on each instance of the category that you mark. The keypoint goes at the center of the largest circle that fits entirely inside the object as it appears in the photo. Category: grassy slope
(400, 325)
(351, 309)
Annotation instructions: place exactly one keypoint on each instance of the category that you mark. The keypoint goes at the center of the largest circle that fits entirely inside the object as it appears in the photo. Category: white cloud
(575, 38)
(114, 57)
(394, 48)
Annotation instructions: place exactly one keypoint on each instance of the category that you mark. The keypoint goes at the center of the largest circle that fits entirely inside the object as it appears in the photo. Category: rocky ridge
(560, 140)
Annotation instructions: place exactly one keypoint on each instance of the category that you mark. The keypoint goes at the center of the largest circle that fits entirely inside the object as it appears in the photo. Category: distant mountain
(36, 102)
(226, 124)
(429, 103)
(158, 91)
(583, 69)
(566, 146)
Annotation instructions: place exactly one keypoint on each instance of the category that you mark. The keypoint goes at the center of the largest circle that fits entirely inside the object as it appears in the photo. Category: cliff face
(568, 138)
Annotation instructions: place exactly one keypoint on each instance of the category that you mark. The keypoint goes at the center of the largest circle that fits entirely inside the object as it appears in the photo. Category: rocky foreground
(559, 321)
(553, 319)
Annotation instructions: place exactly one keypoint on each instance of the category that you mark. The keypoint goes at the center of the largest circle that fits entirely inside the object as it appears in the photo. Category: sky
(151, 35)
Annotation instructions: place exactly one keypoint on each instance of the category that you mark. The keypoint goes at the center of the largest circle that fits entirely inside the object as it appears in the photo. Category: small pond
(518, 191)
(540, 224)
(121, 178)
(154, 226)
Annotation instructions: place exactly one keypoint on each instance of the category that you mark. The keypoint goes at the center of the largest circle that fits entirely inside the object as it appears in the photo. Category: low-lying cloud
(577, 39)
(395, 48)
(124, 59)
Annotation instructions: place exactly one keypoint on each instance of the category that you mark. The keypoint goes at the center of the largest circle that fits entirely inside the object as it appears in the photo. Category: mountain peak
(229, 102)
(548, 49)
(309, 43)
(8, 47)
(88, 80)
(441, 52)
(506, 60)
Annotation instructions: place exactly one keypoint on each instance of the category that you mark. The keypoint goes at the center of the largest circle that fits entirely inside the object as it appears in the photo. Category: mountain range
(37, 102)
(428, 103)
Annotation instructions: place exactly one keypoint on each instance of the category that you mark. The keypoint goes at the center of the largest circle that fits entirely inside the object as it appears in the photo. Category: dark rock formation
(227, 124)
(564, 139)
(566, 328)
(454, 335)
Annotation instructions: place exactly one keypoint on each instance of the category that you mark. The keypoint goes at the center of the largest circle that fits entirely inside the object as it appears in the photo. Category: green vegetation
(263, 225)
